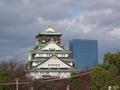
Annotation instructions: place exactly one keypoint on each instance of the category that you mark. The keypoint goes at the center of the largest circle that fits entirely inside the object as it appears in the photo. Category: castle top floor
(48, 35)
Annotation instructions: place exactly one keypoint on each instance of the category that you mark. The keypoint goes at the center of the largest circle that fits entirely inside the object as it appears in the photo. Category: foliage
(13, 69)
(4, 76)
(75, 80)
(112, 59)
(102, 78)
(9, 71)
(106, 74)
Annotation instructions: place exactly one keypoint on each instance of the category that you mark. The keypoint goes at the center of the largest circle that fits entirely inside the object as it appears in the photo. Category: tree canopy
(108, 73)
(9, 71)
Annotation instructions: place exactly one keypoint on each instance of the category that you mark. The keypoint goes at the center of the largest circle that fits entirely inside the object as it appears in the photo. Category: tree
(10, 70)
(106, 74)
(4, 76)
(75, 78)
(101, 78)
(112, 59)
(13, 68)
(75, 81)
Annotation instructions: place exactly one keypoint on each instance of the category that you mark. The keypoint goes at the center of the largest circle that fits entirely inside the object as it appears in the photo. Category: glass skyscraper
(85, 53)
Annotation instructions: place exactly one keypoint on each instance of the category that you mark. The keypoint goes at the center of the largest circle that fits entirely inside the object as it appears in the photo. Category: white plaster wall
(29, 57)
(37, 55)
(34, 64)
(62, 55)
(59, 55)
(52, 46)
(56, 74)
(71, 63)
(66, 55)
(44, 55)
(54, 63)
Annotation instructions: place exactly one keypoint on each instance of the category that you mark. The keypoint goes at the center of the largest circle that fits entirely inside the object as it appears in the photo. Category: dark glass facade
(84, 52)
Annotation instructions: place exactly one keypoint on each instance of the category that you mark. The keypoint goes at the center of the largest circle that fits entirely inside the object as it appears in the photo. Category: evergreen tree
(106, 74)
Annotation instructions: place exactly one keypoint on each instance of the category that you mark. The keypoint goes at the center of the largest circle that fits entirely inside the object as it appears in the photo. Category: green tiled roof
(46, 33)
(47, 52)
(51, 70)
(42, 59)
(35, 50)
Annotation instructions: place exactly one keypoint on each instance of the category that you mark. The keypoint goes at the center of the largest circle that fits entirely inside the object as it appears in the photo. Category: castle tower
(49, 58)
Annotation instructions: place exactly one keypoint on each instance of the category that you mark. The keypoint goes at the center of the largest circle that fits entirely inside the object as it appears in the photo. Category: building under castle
(49, 57)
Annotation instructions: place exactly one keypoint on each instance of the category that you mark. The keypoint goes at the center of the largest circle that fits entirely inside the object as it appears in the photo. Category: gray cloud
(20, 20)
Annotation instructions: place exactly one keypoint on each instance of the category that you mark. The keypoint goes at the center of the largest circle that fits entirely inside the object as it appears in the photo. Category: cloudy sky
(20, 20)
